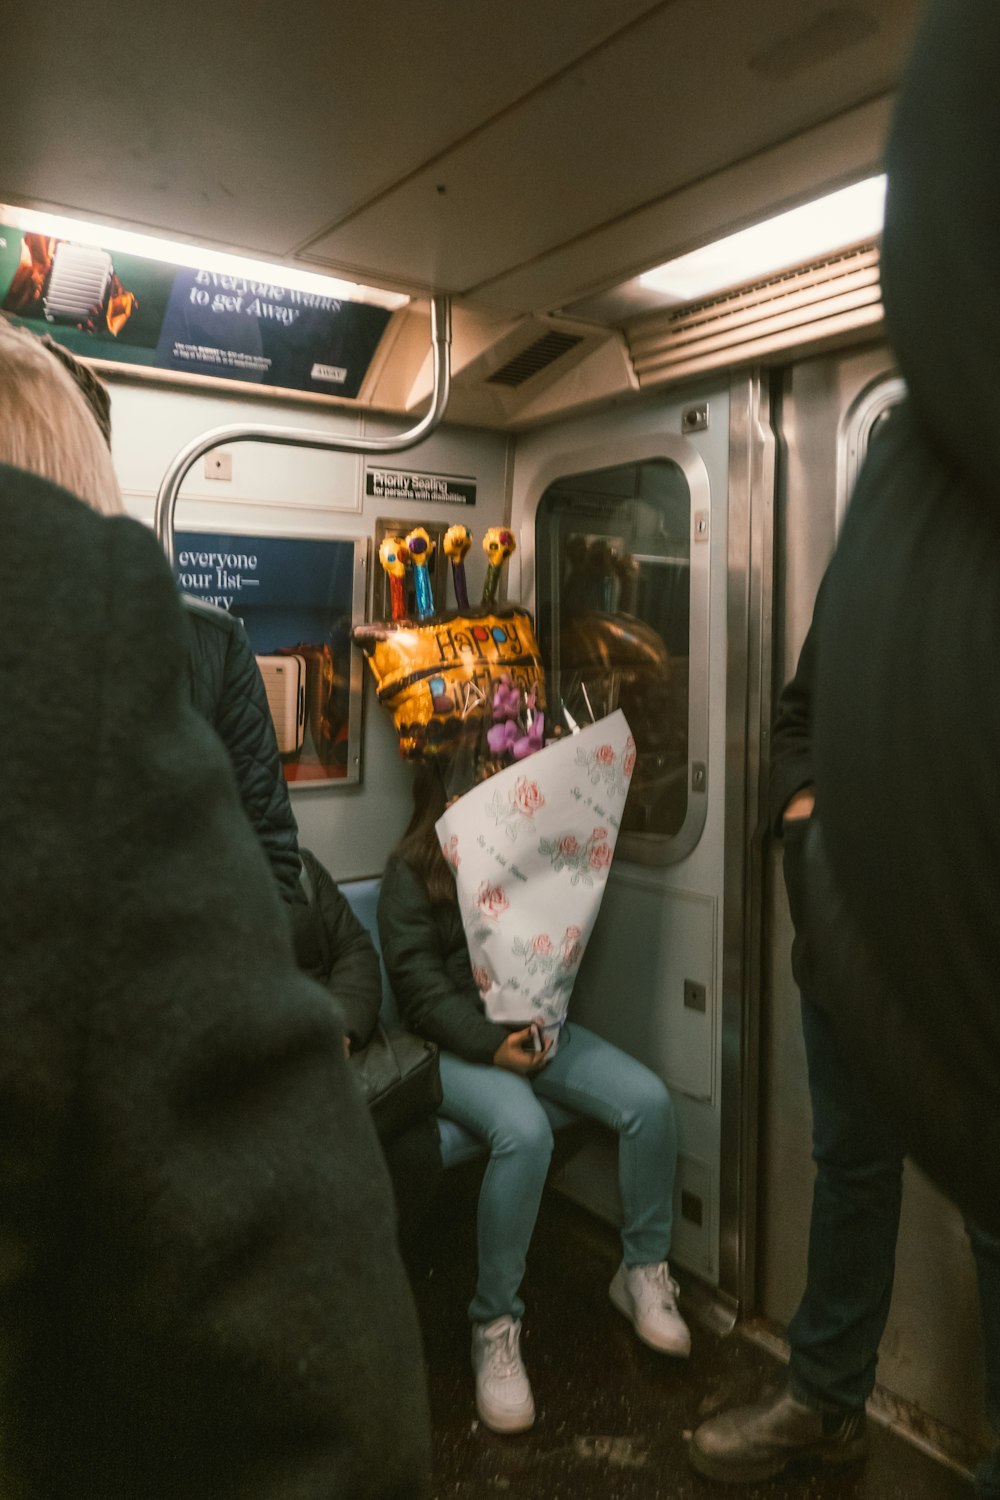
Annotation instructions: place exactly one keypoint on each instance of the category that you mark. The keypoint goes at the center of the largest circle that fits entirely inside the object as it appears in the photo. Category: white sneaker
(647, 1295)
(503, 1394)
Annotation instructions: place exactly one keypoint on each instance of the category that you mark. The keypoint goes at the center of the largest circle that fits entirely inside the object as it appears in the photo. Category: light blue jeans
(596, 1079)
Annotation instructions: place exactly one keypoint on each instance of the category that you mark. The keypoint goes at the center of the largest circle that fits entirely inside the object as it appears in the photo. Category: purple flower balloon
(528, 743)
(501, 737)
(506, 700)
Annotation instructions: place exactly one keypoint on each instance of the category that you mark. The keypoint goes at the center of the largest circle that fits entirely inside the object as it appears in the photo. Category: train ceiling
(522, 155)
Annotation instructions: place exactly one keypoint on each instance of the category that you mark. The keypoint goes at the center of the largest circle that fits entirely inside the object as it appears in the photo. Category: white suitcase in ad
(285, 685)
(78, 282)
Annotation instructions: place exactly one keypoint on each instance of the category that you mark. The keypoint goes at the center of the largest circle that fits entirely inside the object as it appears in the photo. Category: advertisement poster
(296, 599)
(137, 311)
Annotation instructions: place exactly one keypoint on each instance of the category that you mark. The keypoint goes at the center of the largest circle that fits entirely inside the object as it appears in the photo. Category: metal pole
(303, 437)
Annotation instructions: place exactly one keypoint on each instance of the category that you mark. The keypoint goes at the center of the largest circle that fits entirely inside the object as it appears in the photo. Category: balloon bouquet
(530, 841)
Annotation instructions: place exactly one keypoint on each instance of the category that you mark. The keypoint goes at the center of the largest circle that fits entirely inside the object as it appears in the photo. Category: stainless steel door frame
(749, 623)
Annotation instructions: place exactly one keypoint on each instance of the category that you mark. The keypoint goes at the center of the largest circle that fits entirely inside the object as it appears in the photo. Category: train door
(826, 411)
(634, 534)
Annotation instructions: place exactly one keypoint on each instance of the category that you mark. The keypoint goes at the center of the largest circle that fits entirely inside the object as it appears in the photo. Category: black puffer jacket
(333, 947)
(227, 690)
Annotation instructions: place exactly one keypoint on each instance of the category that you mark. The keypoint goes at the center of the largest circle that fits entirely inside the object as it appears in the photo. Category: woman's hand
(517, 1053)
(800, 807)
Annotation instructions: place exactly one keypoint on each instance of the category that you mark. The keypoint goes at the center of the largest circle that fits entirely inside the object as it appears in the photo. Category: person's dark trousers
(836, 1331)
(835, 1334)
(986, 1249)
(414, 1161)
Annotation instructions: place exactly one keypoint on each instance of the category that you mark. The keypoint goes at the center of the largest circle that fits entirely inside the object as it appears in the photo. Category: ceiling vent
(537, 357)
(799, 309)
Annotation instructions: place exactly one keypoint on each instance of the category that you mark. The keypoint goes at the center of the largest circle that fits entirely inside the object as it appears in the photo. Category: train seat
(457, 1144)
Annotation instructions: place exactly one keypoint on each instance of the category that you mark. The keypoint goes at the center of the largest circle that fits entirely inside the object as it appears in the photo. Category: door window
(613, 600)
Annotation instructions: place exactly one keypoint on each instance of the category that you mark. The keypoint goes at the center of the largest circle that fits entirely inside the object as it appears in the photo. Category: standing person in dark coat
(225, 682)
(909, 633)
(200, 1298)
(835, 1334)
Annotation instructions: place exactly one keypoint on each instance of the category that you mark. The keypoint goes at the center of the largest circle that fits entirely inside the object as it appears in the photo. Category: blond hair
(46, 425)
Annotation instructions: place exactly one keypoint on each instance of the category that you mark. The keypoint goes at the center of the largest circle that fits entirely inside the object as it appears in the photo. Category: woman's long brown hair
(419, 846)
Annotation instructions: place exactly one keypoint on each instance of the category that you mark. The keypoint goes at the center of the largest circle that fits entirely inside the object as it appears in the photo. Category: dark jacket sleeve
(432, 981)
(791, 747)
(791, 737)
(228, 689)
(200, 1294)
(353, 975)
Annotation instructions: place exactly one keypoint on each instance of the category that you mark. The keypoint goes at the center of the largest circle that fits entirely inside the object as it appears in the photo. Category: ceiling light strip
(760, 351)
(197, 257)
(647, 343)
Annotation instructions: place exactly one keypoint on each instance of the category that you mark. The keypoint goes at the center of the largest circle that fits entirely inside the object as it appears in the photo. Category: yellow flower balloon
(394, 556)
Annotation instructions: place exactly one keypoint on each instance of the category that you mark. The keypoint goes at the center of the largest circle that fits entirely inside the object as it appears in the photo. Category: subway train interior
(530, 216)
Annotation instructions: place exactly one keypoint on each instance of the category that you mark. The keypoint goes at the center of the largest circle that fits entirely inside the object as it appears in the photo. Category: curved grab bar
(302, 437)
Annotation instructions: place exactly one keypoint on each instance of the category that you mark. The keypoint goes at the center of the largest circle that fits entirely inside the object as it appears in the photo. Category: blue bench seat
(457, 1143)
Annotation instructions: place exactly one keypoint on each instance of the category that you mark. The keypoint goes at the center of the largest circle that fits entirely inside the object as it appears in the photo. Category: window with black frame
(613, 597)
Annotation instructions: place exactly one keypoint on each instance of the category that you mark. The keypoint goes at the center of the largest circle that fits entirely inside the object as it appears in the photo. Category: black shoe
(753, 1443)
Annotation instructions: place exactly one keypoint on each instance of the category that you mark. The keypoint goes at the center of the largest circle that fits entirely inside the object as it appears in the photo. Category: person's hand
(347, 1046)
(799, 806)
(517, 1053)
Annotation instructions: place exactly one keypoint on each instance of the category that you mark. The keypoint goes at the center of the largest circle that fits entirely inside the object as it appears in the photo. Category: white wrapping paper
(531, 849)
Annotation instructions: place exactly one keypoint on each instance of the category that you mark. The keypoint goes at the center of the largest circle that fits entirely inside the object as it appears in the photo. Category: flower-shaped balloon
(506, 699)
(420, 547)
(528, 743)
(498, 544)
(457, 541)
(501, 738)
(394, 556)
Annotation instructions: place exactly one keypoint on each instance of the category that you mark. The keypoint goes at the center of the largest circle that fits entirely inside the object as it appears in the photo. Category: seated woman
(492, 1081)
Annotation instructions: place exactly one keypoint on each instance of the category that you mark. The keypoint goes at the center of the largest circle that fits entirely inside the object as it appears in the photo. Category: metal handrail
(303, 437)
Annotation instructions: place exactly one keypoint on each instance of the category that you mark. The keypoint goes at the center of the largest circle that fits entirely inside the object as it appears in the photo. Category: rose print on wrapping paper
(583, 861)
(527, 797)
(514, 810)
(628, 758)
(553, 961)
(571, 950)
(449, 848)
(605, 766)
(600, 857)
(491, 901)
(483, 980)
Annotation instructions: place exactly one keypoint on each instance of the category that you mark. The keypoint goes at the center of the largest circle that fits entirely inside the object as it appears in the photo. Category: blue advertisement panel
(134, 310)
(296, 599)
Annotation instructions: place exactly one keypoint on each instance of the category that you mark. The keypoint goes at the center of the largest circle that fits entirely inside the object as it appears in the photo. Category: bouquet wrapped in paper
(531, 848)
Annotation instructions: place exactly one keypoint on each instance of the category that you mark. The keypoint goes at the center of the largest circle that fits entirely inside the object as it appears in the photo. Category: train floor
(612, 1415)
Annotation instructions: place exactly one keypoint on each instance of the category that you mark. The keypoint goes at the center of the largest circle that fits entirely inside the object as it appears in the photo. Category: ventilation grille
(538, 356)
(827, 300)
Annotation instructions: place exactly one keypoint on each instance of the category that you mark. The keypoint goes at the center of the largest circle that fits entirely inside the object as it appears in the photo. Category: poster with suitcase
(214, 318)
(297, 598)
